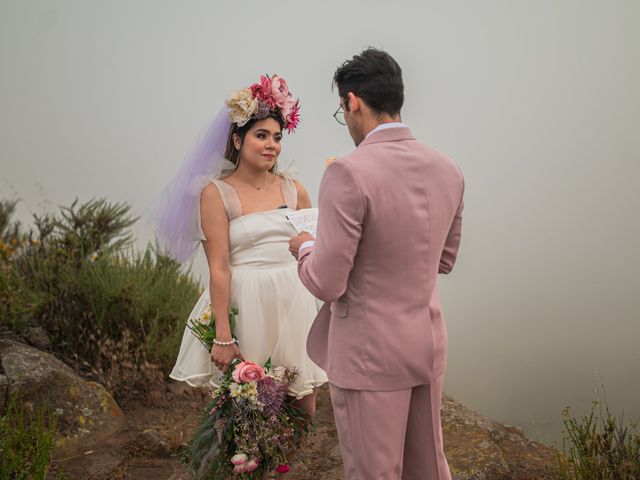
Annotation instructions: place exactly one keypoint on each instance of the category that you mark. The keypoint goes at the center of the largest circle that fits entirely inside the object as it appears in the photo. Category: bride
(230, 196)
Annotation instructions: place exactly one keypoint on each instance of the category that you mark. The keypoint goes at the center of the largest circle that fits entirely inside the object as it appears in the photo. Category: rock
(476, 448)
(179, 388)
(87, 414)
(481, 449)
(182, 389)
(37, 337)
(155, 443)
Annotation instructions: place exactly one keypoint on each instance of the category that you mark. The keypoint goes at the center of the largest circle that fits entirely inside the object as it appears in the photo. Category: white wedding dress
(275, 309)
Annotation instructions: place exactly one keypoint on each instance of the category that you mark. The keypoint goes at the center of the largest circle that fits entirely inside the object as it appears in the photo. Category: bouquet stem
(204, 328)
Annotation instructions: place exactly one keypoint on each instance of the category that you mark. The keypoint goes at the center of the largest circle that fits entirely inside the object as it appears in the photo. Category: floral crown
(262, 99)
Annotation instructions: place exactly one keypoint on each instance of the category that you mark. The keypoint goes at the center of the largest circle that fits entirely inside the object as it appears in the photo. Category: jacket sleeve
(324, 268)
(451, 245)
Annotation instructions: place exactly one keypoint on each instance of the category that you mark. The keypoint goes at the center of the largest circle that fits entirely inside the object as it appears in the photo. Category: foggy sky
(538, 102)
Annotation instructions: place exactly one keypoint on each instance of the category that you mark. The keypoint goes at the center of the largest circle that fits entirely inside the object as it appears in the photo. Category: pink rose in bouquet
(248, 372)
(251, 465)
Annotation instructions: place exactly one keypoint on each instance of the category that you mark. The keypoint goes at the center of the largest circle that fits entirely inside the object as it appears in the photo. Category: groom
(390, 217)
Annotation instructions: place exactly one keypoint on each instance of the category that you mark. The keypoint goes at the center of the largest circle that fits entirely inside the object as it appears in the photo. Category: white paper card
(304, 220)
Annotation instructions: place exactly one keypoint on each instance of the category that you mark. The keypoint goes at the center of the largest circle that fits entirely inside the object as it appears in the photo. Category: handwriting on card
(305, 220)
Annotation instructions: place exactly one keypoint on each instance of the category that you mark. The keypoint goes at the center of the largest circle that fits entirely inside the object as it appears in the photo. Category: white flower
(240, 459)
(235, 390)
(279, 372)
(205, 317)
(242, 106)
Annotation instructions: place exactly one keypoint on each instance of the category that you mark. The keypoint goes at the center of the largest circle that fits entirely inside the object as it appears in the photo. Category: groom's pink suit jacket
(390, 220)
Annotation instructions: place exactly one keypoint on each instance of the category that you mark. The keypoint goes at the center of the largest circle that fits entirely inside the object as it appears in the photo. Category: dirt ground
(149, 447)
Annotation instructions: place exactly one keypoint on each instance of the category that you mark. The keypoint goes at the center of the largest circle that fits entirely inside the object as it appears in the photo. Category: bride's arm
(215, 227)
(303, 197)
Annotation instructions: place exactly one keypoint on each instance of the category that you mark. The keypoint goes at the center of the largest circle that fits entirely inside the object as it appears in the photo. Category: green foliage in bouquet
(249, 427)
(204, 328)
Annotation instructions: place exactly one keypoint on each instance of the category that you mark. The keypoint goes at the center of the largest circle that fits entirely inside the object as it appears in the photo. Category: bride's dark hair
(231, 153)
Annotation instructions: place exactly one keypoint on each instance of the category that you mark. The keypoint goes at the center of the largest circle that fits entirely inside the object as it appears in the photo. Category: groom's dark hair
(373, 76)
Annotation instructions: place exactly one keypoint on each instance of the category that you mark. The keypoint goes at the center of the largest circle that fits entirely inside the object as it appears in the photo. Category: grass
(27, 440)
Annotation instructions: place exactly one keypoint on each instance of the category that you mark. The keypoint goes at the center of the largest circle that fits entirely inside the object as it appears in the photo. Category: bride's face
(261, 146)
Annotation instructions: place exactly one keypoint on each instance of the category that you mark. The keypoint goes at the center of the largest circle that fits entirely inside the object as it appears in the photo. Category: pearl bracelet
(224, 344)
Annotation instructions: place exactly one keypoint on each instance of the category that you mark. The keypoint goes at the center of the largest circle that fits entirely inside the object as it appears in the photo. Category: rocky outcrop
(476, 448)
(37, 336)
(86, 412)
(91, 426)
(481, 449)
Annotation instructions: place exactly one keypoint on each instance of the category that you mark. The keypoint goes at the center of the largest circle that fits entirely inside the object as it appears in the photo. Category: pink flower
(287, 107)
(284, 468)
(239, 459)
(248, 372)
(262, 91)
(239, 469)
(251, 465)
(280, 91)
(293, 118)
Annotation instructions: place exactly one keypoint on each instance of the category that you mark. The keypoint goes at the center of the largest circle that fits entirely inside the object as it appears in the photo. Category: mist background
(538, 102)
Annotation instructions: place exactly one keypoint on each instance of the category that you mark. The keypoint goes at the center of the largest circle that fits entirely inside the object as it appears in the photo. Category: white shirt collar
(384, 126)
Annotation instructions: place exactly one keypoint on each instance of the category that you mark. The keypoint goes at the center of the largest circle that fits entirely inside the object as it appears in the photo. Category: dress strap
(290, 193)
(229, 198)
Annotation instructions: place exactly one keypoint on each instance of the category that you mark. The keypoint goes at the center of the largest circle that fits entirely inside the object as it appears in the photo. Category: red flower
(262, 91)
(284, 468)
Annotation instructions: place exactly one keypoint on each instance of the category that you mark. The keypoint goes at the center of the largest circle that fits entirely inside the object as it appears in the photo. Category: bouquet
(249, 428)
(204, 328)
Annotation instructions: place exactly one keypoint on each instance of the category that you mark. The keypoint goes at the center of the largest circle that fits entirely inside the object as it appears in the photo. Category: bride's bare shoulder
(211, 195)
(304, 201)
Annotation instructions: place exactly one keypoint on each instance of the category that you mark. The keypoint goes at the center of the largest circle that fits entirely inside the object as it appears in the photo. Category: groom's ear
(353, 102)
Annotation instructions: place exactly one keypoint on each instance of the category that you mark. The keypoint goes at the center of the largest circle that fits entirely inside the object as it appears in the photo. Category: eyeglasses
(339, 116)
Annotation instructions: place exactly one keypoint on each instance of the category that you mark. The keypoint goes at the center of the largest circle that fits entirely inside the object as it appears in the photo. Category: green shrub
(115, 313)
(12, 236)
(599, 446)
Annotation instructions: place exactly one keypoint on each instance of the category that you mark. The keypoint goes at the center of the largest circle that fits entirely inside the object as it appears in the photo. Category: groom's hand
(295, 242)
